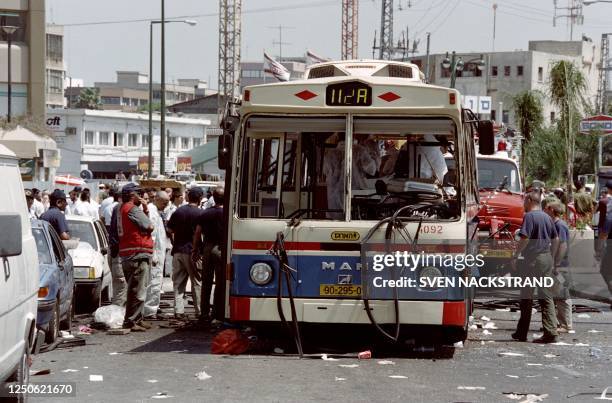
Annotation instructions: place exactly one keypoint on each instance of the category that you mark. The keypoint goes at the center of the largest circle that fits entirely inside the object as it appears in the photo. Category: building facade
(506, 74)
(55, 67)
(106, 142)
(27, 57)
(130, 92)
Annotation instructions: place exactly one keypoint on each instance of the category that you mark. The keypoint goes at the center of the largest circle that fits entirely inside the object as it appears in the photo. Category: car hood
(501, 204)
(83, 255)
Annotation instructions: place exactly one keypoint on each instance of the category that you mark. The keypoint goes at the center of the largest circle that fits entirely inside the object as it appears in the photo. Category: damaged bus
(325, 173)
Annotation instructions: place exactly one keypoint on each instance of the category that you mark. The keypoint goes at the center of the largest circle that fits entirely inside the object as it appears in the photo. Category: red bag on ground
(229, 341)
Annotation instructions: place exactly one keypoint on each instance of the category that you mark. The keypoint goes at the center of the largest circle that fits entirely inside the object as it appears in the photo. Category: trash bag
(110, 315)
(230, 341)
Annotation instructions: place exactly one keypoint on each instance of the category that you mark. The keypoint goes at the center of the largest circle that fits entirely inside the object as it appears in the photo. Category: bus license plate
(340, 290)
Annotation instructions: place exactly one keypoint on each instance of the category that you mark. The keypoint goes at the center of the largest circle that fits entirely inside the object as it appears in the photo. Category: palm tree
(529, 112)
(89, 98)
(567, 88)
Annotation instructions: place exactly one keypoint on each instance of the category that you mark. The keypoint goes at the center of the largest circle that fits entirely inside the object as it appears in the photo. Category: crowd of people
(152, 233)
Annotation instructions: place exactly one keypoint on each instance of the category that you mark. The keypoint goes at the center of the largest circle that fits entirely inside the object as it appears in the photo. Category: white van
(18, 275)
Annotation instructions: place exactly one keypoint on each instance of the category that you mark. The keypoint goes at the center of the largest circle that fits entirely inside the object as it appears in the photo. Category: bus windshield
(491, 174)
(297, 167)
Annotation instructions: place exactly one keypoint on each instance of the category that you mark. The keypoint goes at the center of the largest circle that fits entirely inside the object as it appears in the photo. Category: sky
(94, 52)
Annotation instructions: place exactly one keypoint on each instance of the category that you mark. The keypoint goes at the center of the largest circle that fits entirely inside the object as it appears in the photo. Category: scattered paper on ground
(398, 377)
(348, 365)
(490, 325)
(511, 354)
(526, 397)
(486, 332)
(340, 379)
(161, 395)
(70, 370)
(583, 316)
(152, 381)
(512, 376)
(471, 387)
(458, 344)
(326, 358)
(202, 376)
(551, 355)
(485, 318)
(594, 331)
(115, 353)
(533, 364)
(96, 378)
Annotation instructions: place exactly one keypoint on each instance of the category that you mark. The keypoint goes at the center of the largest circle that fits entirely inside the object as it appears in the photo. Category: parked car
(92, 273)
(56, 288)
(19, 279)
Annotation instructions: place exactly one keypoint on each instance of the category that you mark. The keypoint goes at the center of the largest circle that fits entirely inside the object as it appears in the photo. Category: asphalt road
(163, 363)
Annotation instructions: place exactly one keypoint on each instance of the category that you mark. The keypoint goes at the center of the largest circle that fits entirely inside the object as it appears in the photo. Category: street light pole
(9, 30)
(150, 154)
(456, 64)
(162, 107)
(150, 166)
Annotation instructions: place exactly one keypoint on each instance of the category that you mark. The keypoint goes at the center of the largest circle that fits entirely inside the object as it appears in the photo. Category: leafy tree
(545, 156)
(529, 112)
(89, 98)
(567, 88)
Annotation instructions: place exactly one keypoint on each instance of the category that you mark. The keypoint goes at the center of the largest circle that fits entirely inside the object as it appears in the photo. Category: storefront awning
(25, 143)
(204, 153)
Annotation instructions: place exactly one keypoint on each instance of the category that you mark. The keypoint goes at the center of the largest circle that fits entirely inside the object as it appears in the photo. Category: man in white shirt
(86, 207)
(109, 201)
(160, 244)
(37, 207)
(73, 201)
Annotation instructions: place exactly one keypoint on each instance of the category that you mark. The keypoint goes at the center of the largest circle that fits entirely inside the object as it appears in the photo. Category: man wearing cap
(55, 215)
(136, 251)
(182, 226)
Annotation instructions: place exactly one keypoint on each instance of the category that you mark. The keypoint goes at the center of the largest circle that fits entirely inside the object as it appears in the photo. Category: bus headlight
(430, 273)
(261, 273)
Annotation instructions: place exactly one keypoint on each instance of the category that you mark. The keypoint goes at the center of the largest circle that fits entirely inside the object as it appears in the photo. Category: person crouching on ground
(538, 245)
(136, 251)
(563, 302)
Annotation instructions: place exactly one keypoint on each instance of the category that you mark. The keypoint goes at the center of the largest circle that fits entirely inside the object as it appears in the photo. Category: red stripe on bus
(240, 308)
(329, 246)
(454, 313)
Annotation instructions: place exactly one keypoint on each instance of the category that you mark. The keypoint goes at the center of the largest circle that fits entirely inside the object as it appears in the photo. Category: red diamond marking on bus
(389, 96)
(306, 95)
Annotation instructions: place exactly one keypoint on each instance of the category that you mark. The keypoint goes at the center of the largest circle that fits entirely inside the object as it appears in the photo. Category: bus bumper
(443, 313)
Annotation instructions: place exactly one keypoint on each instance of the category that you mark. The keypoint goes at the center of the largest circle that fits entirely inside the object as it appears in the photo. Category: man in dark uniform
(55, 215)
(538, 245)
(210, 226)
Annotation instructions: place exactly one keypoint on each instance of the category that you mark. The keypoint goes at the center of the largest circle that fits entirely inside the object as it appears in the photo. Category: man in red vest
(136, 252)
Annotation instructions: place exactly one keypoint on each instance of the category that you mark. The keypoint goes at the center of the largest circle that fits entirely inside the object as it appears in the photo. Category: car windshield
(491, 174)
(44, 255)
(83, 230)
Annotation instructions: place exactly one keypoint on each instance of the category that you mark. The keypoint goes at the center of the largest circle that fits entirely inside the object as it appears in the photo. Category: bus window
(410, 156)
(307, 153)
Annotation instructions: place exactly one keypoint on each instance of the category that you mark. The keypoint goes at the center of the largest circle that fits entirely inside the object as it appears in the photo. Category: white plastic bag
(111, 315)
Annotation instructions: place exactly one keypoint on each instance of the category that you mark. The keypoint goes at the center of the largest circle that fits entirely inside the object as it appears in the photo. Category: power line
(447, 16)
(216, 14)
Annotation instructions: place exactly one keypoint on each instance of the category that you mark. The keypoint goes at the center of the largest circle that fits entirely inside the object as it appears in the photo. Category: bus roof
(387, 90)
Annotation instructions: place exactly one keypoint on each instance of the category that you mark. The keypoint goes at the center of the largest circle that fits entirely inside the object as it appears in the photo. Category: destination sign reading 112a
(348, 94)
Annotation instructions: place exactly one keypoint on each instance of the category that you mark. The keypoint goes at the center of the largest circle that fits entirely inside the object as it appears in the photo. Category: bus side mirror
(224, 150)
(486, 137)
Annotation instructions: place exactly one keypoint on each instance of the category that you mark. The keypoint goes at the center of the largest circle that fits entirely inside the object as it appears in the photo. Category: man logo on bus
(344, 266)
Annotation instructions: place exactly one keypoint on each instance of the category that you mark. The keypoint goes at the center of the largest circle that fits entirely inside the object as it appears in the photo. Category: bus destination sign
(352, 93)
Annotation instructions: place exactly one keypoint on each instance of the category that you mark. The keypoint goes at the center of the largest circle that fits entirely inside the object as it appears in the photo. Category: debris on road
(324, 357)
(365, 355)
(340, 379)
(486, 332)
(202, 376)
(594, 331)
(40, 372)
(458, 344)
(85, 330)
(118, 332)
(471, 388)
(278, 350)
(526, 397)
(513, 376)
(533, 364)
(96, 378)
(152, 380)
(485, 318)
(511, 354)
(111, 316)
(229, 341)
(161, 395)
(551, 355)
(66, 335)
(70, 370)
(398, 377)
(386, 362)
(490, 325)
(583, 316)
(115, 353)
(348, 365)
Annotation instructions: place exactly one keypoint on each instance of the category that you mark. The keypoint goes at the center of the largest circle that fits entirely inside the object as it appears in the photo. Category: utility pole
(427, 58)
(280, 42)
(385, 50)
(230, 14)
(350, 29)
(162, 107)
(494, 25)
(574, 16)
(604, 69)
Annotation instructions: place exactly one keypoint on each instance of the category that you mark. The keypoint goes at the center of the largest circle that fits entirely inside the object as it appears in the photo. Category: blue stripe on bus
(309, 276)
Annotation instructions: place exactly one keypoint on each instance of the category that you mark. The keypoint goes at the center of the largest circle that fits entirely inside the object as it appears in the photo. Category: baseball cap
(77, 189)
(129, 188)
(609, 184)
(196, 192)
(57, 194)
